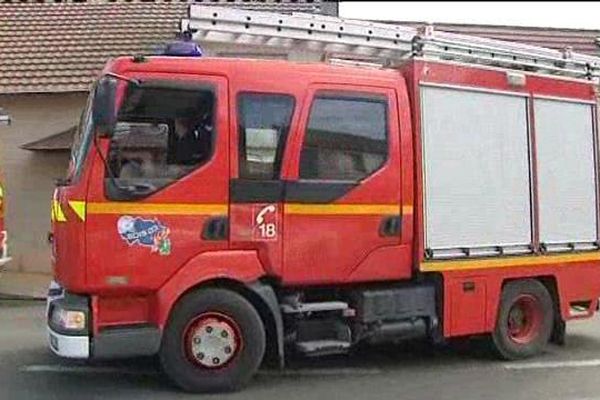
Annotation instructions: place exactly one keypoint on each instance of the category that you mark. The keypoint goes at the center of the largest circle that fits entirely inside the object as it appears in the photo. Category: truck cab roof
(271, 69)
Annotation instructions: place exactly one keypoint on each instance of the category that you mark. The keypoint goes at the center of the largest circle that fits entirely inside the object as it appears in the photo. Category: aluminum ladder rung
(331, 35)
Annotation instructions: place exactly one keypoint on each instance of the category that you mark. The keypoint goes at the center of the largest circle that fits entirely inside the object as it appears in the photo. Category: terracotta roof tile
(60, 47)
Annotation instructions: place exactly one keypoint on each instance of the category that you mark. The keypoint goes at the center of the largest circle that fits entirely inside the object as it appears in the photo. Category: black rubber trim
(317, 191)
(117, 193)
(256, 191)
(276, 191)
(126, 342)
(186, 85)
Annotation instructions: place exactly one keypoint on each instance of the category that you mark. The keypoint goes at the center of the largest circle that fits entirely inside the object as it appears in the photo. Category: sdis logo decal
(145, 232)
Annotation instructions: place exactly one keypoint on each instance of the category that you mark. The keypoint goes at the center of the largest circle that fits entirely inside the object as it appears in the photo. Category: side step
(322, 337)
(300, 308)
(317, 348)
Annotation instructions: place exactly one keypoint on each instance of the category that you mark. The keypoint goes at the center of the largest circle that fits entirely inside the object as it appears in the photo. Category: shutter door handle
(216, 228)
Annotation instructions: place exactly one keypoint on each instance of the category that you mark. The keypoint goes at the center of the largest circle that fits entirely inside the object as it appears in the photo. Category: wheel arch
(242, 266)
(550, 283)
(262, 297)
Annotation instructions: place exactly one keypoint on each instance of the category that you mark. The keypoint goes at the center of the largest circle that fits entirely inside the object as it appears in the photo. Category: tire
(234, 325)
(525, 320)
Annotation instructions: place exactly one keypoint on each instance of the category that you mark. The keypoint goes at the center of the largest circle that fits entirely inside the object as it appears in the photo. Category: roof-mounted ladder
(370, 41)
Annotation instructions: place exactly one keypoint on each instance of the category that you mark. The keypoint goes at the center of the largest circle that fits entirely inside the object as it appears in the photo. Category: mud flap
(267, 295)
(559, 333)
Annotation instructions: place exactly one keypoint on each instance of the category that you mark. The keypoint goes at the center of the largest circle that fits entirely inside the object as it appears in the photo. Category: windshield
(82, 140)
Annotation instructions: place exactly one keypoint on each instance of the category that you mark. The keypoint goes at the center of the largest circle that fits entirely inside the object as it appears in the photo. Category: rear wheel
(525, 320)
(214, 341)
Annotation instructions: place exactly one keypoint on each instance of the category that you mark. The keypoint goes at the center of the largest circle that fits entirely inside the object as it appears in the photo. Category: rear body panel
(472, 285)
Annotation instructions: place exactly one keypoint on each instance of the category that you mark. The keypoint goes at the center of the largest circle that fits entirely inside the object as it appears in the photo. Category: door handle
(390, 226)
(216, 228)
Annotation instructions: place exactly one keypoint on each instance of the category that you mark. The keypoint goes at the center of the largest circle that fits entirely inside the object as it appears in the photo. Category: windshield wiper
(136, 82)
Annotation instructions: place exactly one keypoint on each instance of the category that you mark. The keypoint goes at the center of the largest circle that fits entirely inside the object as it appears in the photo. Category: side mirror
(103, 108)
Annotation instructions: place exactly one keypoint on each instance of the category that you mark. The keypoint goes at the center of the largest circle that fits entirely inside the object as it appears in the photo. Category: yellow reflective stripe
(506, 262)
(79, 208)
(1, 191)
(163, 209)
(220, 209)
(345, 209)
(57, 212)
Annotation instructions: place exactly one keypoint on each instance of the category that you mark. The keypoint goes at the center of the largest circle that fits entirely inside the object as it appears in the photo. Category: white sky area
(559, 14)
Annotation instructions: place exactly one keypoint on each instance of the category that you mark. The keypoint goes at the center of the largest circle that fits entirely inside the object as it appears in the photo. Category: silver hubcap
(213, 343)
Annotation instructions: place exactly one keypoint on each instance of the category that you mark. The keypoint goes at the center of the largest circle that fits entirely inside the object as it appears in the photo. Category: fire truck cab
(219, 212)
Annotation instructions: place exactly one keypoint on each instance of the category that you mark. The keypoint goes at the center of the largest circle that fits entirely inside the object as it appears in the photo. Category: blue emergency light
(184, 46)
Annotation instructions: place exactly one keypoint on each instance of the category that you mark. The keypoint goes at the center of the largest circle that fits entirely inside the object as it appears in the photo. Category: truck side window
(162, 134)
(346, 138)
(264, 122)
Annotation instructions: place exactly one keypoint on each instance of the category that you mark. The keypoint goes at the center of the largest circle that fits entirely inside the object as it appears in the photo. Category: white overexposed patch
(553, 364)
(551, 14)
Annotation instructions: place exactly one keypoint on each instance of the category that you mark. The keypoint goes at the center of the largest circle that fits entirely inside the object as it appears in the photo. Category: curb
(16, 297)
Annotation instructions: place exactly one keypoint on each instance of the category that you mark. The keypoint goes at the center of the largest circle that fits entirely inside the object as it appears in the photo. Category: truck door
(161, 194)
(342, 212)
(263, 123)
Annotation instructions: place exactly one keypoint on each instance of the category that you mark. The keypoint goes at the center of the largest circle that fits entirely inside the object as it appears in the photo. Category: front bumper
(110, 343)
(69, 346)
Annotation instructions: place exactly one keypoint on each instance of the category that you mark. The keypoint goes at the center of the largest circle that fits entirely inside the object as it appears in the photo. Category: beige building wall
(29, 176)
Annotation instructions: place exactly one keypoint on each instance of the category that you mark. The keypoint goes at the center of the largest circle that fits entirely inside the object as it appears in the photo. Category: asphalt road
(413, 371)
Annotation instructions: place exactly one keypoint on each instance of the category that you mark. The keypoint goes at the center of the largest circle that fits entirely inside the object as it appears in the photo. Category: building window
(346, 138)
(264, 122)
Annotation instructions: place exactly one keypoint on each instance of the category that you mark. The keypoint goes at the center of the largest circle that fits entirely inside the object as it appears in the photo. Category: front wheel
(525, 320)
(214, 341)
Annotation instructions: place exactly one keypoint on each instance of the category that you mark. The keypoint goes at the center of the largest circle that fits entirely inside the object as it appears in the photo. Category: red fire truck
(222, 213)
(4, 258)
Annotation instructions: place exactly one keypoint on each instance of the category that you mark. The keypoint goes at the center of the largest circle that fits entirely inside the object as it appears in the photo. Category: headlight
(71, 320)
